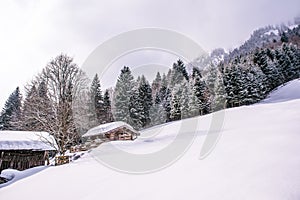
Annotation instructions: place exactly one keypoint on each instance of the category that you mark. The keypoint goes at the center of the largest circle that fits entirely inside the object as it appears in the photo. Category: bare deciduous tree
(64, 80)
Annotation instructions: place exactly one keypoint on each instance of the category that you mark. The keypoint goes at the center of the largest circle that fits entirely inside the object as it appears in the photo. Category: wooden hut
(111, 131)
(25, 149)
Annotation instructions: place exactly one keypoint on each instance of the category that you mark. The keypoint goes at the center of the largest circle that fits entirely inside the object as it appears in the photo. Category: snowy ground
(257, 157)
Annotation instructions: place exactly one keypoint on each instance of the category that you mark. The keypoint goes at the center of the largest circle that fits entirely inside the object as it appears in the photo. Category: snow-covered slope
(288, 91)
(256, 157)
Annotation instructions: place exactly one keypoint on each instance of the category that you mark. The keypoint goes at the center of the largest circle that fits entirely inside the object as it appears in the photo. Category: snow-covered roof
(104, 128)
(26, 140)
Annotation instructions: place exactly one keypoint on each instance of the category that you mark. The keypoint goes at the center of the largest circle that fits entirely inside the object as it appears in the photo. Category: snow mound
(286, 92)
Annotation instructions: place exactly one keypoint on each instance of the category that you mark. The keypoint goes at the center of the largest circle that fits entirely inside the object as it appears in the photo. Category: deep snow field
(256, 157)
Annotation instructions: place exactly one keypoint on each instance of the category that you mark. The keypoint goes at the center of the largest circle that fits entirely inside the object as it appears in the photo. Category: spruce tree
(291, 55)
(175, 112)
(97, 100)
(38, 114)
(196, 73)
(255, 86)
(210, 79)
(162, 103)
(145, 95)
(184, 100)
(10, 118)
(193, 102)
(268, 67)
(107, 107)
(234, 85)
(178, 73)
(284, 37)
(30, 122)
(140, 104)
(136, 109)
(157, 113)
(201, 93)
(122, 94)
(219, 101)
(167, 104)
(163, 88)
(45, 106)
(156, 84)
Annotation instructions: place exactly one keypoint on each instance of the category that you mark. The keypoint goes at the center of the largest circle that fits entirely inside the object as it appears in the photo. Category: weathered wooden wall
(120, 134)
(21, 159)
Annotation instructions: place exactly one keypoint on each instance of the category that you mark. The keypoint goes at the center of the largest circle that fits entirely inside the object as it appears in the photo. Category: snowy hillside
(288, 91)
(256, 157)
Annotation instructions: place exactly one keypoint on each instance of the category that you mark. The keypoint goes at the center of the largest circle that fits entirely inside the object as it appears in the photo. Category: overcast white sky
(33, 31)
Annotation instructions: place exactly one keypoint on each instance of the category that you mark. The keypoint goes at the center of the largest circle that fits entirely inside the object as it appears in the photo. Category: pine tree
(175, 112)
(219, 101)
(233, 82)
(123, 92)
(163, 88)
(136, 109)
(283, 65)
(145, 95)
(201, 93)
(97, 100)
(295, 58)
(169, 77)
(196, 73)
(193, 102)
(10, 118)
(163, 97)
(156, 84)
(140, 104)
(268, 67)
(29, 122)
(178, 73)
(284, 37)
(167, 104)
(184, 101)
(255, 88)
(157, 113)
(291, 55)
(107, 107)
(210, 80)
(45, 106)
(38, 114)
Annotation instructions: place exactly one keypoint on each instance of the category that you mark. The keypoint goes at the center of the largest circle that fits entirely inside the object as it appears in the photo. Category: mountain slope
(256, 157)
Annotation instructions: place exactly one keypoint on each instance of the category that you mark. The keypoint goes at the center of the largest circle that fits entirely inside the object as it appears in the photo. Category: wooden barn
(23, 149)
(112, 131)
